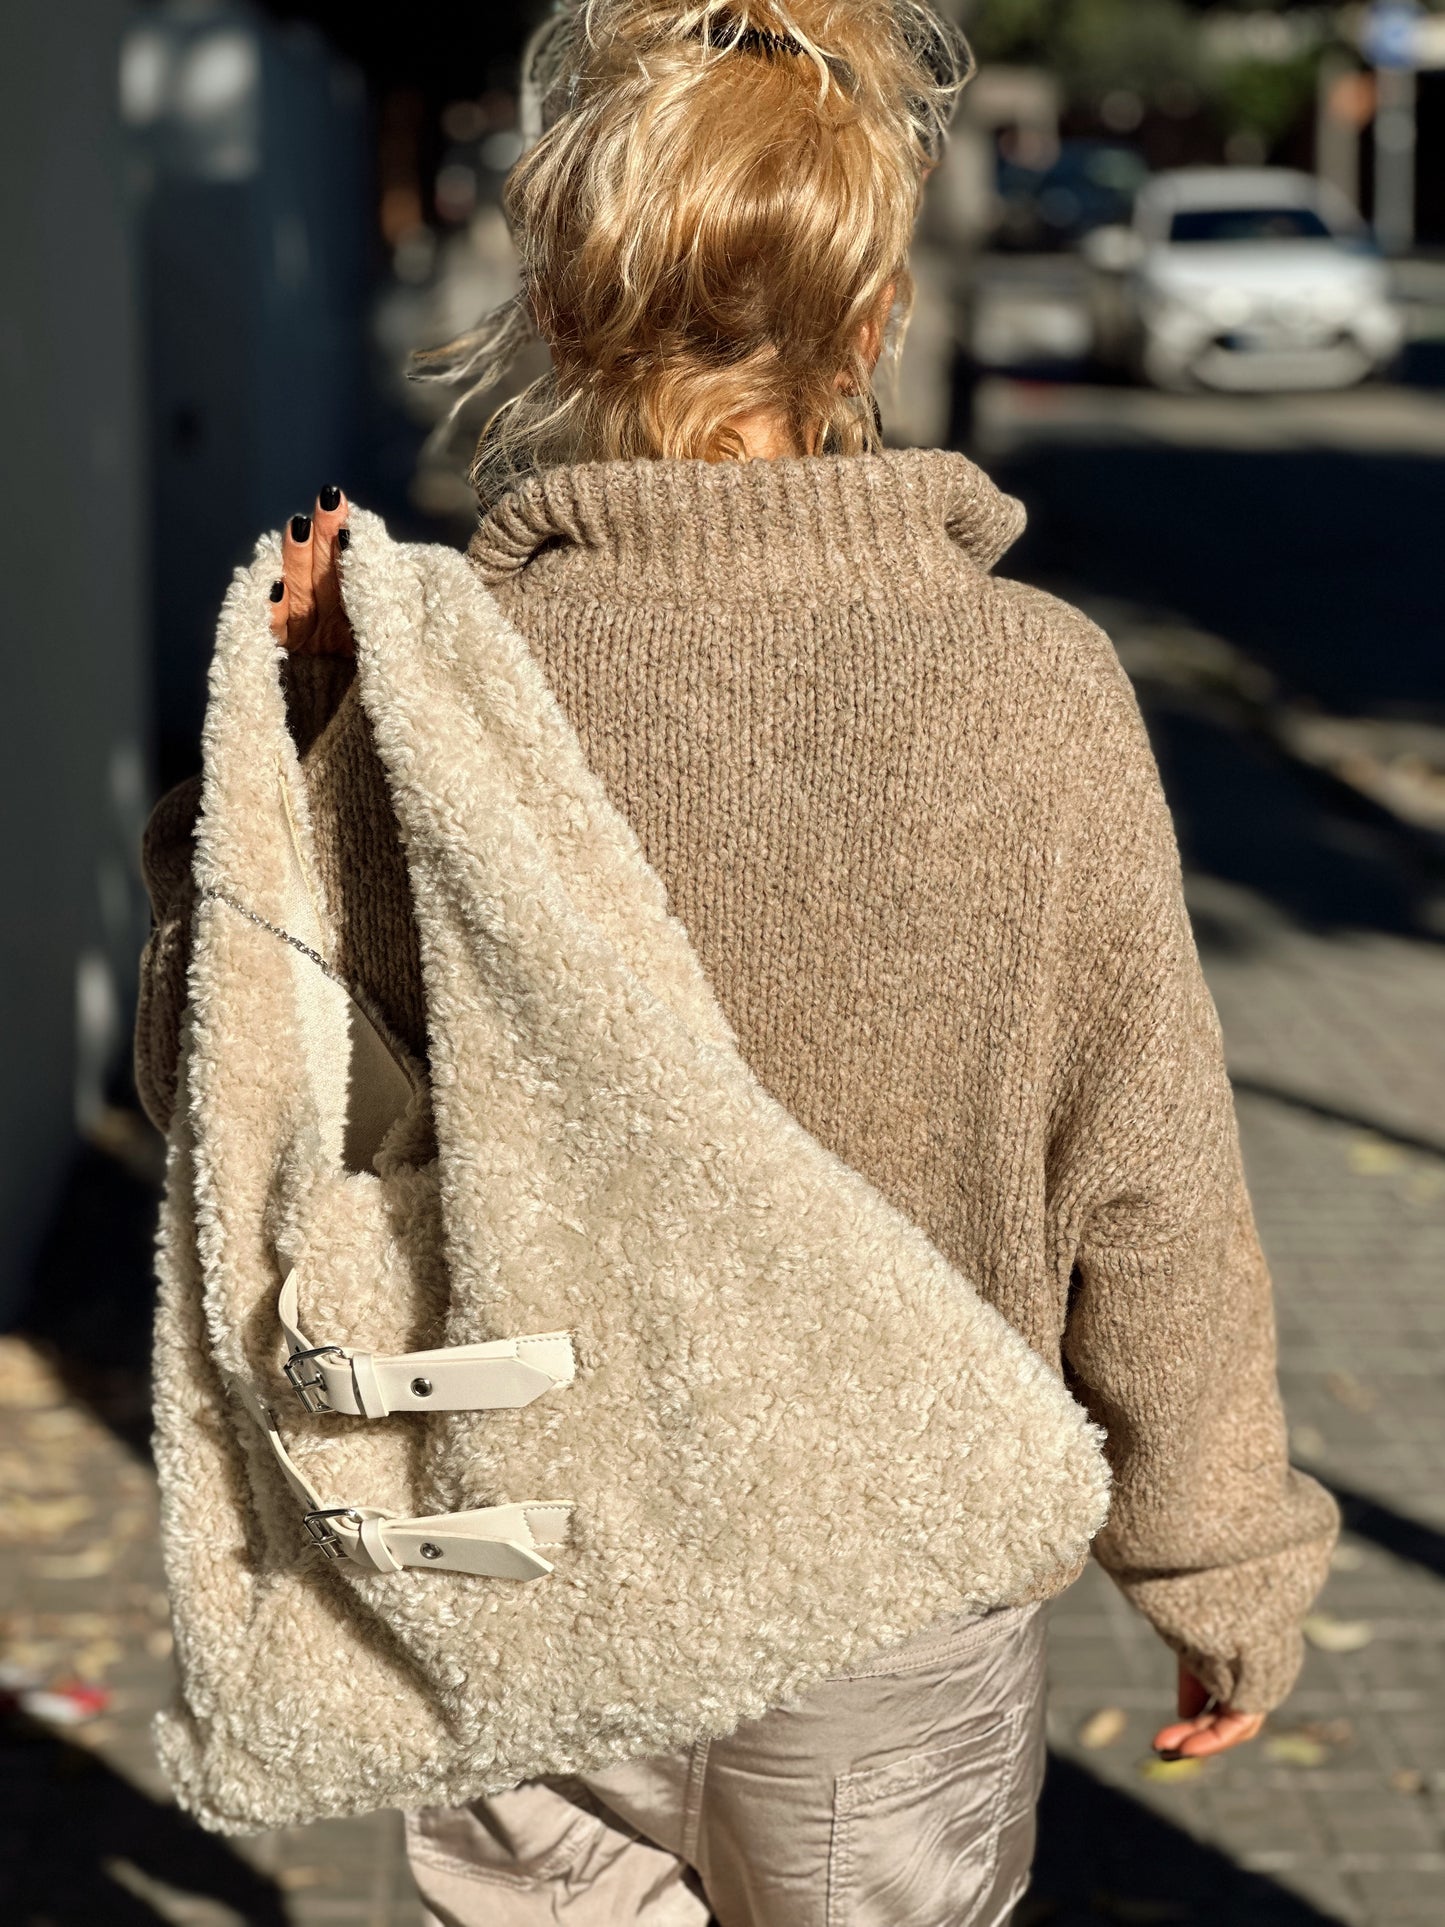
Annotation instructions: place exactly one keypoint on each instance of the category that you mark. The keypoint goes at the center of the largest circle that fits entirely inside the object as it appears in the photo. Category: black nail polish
(330, 497)
(343, 538)
(278, 589)
(300, 528)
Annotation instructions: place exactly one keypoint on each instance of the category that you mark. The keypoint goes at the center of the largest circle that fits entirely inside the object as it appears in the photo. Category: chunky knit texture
(909, 816)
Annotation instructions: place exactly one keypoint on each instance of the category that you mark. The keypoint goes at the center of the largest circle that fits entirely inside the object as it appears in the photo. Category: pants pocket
(915, 1843)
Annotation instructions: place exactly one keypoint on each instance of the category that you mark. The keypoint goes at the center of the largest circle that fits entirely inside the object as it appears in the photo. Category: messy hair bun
(718, 201)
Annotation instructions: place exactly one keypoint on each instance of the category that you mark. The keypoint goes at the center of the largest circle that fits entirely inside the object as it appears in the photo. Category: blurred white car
(1241, 278)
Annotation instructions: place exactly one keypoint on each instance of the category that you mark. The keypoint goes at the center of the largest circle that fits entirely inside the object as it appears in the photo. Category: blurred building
(75, 633)
(203, 200)
(253, 220)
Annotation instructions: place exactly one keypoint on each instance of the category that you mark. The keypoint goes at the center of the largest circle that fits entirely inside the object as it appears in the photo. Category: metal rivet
(352, 1518)
(421, 1388)
(429, 1551)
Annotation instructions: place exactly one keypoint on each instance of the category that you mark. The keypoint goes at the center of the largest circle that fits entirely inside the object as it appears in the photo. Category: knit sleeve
(313, 688)
(1170, 1333)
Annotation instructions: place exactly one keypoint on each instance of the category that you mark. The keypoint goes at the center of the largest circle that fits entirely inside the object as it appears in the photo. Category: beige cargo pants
(898, 1794)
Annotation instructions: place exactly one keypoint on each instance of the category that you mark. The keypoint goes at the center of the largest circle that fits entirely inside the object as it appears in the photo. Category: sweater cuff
(1237, 1627)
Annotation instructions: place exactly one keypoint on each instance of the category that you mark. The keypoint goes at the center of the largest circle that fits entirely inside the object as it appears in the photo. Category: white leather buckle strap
(495, 1541)
(457, 1378)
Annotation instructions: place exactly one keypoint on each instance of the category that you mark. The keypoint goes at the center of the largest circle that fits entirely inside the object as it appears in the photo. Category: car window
(1248, 224)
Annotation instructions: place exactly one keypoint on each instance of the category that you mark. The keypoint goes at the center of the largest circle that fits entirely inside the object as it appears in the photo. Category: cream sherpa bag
(629, 1413)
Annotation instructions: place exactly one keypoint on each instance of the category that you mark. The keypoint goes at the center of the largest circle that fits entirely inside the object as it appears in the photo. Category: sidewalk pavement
(1337, 1048)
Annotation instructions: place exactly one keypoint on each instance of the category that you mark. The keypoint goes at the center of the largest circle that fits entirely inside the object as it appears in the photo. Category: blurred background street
(1182, 290)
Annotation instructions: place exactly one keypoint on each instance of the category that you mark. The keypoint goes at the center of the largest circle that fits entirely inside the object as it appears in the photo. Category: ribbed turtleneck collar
(741, 530)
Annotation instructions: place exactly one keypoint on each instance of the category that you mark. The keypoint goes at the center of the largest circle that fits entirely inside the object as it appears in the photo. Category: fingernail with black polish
(278, 589)
(343, 538)
(330, 497)
(300, 528)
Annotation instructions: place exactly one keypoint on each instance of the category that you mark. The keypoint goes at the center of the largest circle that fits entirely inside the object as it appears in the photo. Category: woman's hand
(1201, 1727)
(306, 611)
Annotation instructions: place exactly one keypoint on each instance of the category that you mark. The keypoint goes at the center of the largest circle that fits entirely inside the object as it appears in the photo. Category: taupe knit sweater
(909, 816)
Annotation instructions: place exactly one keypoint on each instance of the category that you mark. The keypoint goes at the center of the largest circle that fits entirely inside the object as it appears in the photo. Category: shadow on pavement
(84, 1848)
(1335, 1113)
(1103, 1857)
(1319, 562)
(93, 1291)
(1394, 1532)
(1327, 857)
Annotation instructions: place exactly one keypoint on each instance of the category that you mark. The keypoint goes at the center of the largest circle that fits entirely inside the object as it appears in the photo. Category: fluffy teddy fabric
(796, 1431)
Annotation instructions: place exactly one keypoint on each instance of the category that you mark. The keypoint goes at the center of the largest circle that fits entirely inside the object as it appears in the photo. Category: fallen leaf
(26, 1381)
(1372, 1157)
(77, 1565)
(27, 1520)
(23, 1472)
(1331, 1635)
(160, 1644)
(79, 1625)
(1296, 1749)
(1157, 1769)
(291, 1879)
(59, 1422)
(1328, 1732)
(1407, 1779)
(98, 1657)
(1308, 1442)
(35, 1656)
(1347, 1390)
(98, 1733)
(1347, 1558)
(1104, 1727)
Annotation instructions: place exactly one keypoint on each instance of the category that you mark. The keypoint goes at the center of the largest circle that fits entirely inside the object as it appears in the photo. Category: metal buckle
(324, 1539)
(310, 1391)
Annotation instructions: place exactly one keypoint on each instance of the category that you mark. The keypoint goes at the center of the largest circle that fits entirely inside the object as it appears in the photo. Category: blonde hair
(719, 202)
